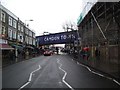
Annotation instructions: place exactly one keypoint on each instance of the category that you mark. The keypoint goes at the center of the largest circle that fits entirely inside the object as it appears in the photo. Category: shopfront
(5, 48)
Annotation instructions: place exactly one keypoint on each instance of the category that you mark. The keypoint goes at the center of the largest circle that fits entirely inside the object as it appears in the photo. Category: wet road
(56, 71)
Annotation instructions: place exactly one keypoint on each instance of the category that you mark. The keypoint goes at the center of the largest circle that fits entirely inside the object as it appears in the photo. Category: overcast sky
(48, 15)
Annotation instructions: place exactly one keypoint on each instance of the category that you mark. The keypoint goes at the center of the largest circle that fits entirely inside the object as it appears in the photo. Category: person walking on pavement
(57, 49)
(82, 53)
(12, 55)
(86, 53)
(97, 54)
(23, 54)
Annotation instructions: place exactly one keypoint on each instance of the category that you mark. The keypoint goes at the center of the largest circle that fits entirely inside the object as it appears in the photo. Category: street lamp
(28, 20)
(45, 33)
(78, 42)
(16, 50)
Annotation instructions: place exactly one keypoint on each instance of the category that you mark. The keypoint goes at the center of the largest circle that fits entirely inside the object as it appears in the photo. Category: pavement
(106, 68)
(6, 61)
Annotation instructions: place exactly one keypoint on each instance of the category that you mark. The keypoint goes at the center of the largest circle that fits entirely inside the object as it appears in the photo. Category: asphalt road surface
(56, 71)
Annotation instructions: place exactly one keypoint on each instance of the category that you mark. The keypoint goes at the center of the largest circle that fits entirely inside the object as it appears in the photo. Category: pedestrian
(12, 55)
(97, 54)
(82, 53)
(57, 49)
(27, 54)
(23, 54)
(75, 53)
(87, 54)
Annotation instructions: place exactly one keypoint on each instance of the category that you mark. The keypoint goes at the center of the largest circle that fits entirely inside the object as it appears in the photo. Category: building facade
(14, 32)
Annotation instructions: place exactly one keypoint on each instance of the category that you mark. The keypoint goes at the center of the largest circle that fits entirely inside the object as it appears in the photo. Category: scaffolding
(100, 28)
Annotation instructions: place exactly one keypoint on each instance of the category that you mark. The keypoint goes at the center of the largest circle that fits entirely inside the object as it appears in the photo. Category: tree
(69, 26)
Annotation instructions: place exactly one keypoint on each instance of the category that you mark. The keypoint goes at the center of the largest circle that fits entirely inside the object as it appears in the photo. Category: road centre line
(100, 74)
(33, 72)
(77, 63)
(72, 60)
(30, 78)
(63, 79)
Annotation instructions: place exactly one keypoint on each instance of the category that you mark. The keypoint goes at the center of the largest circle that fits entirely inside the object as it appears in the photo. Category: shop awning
(5, 47)
(29, 47)
(17, 46)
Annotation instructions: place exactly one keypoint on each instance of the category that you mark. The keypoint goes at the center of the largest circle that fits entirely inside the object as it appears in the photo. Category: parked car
(34, 54)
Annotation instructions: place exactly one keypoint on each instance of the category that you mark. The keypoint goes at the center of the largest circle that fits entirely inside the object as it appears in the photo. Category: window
(14, 23)
(3, 30)
(30, 33)
(3, 16)
(22, 28)
(19, 26)
(14, 34)
(21, 37)
(30, 40)
(10, 21)
(26, 39)
(18, 37)
(10, 33)
(26, 31)
(33, 41)
(33, 35)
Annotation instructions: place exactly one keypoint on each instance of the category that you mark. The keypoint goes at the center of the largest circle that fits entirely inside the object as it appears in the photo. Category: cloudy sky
(48, 15)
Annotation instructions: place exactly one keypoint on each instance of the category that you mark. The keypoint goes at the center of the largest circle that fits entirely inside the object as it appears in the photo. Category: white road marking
(33, 72)
(30, 78)
(24, 85)
(100, 74)
(63, 79)
(82, 65)
(116, 82)
(97, 73)
(88, 69)
(77, 63)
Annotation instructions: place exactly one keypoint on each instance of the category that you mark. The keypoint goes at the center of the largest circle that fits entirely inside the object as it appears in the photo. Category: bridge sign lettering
(57, 38)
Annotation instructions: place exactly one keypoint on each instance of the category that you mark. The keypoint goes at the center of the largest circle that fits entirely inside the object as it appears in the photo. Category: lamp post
(78, 42)
(16, 50)
(28, 20)
(45, 33)
(25, 26)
